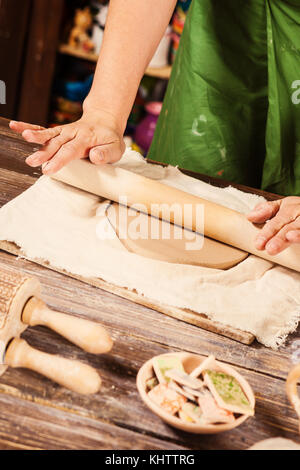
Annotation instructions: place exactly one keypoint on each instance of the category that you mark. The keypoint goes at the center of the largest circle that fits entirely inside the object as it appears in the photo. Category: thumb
(108, 153)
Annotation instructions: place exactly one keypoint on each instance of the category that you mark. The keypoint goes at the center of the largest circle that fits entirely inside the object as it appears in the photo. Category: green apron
(232, 107)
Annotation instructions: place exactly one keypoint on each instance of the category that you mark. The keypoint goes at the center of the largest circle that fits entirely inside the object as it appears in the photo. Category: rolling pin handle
(71, 374)
(88, 335)
(291, 389)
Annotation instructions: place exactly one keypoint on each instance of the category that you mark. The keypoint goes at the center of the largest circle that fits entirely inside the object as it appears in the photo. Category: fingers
(282, 225)
(109, 153)
(35, 134)
(40, 136)
(71, 150)
(61, 144)
(77, 148)
(20, 127)
(290, 233)
(271, 228)
(264, 211)
(48, 151)
(278, 234)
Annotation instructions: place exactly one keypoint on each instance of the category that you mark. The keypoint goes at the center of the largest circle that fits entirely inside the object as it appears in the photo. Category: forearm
(133, 31)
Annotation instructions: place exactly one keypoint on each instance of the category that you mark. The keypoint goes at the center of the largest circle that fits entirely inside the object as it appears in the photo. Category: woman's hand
(96, 135)
(282, 225)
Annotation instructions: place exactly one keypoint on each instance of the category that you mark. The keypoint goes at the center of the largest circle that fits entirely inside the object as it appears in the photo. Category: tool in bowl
(21, 306)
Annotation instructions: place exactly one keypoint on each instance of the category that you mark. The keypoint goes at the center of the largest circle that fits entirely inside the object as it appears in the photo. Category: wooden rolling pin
(74, 375)
(20, 307)
(125, 187)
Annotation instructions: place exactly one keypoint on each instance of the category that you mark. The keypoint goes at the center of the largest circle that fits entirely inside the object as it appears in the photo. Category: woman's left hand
(282, 224)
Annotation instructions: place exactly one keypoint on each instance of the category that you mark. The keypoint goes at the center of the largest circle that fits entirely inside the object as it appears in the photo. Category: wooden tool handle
(73, 375)
(291, 389)
(151, 196)
(88, 335)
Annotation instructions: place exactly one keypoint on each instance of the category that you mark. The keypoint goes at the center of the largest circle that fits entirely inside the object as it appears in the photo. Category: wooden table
(35, 413)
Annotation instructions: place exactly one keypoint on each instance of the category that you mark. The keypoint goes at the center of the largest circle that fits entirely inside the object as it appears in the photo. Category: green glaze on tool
(228, 392)
(151, 383)
(162, 364)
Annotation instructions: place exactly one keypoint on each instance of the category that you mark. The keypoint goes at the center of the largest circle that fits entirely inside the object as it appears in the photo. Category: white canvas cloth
(61, 225)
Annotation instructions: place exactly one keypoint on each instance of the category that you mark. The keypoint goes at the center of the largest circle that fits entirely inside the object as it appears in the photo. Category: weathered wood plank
(30, 426)
(12, 184)
(14, 150)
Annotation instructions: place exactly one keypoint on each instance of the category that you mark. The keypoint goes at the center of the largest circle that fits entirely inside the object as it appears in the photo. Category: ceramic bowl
(190, 362)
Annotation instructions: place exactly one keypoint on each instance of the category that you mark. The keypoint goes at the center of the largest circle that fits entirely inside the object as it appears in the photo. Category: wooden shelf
(68, 50)
(161, 72)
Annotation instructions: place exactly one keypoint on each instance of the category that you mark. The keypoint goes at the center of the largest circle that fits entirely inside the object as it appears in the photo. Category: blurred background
(48, 55)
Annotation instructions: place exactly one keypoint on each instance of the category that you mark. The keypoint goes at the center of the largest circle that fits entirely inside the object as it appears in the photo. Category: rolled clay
(163, 241)
(220, 223)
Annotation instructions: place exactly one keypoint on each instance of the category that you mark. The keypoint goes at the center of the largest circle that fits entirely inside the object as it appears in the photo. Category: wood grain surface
(36, 413)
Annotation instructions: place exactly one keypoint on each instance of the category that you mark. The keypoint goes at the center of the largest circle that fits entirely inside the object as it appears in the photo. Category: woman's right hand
(95, 135)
